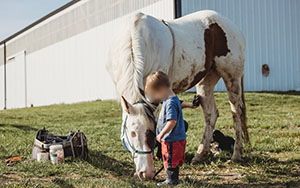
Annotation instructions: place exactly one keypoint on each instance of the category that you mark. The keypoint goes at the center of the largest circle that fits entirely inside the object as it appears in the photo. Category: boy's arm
(196, 102)
(187, 105)
(169, 126)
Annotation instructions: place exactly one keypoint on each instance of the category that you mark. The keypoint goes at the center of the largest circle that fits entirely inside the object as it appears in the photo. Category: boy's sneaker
(167, 182)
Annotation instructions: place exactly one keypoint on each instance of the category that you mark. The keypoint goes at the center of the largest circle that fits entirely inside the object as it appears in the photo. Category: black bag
(74, 144)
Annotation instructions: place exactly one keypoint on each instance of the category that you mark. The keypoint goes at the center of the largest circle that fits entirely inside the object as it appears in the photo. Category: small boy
(170, 127)
(196, 102)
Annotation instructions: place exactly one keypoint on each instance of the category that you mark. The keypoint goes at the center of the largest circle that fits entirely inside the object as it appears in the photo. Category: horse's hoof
(195, 161)
(198, 158)
(236, 159)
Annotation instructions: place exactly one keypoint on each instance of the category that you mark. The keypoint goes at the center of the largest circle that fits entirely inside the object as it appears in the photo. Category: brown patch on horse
(209, 48)
(215, 45)
(220, 47)
(197, 78)
(181, 85)
(243, 115)
(150, 137)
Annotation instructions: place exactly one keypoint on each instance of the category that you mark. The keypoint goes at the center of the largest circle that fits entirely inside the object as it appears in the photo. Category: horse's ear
(142, 92)
(128, 106)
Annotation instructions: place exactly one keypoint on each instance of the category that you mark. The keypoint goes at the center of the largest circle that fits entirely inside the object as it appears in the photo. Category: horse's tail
(243, 116)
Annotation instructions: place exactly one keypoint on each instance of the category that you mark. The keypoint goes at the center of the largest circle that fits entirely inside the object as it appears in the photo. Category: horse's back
(205, 18)
(202, 39)
(234, 41)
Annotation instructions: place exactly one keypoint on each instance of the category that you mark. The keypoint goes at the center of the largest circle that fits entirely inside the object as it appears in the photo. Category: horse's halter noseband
(125, 139)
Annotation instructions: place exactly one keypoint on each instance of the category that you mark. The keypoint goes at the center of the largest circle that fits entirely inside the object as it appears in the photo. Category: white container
(42, 156)
(59, 151)
(54, 158)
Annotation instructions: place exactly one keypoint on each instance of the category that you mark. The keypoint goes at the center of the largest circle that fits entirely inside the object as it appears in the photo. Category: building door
(16, 81)
(2, 86)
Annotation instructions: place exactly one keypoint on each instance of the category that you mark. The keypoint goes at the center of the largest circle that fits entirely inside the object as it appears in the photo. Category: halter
(124, 136)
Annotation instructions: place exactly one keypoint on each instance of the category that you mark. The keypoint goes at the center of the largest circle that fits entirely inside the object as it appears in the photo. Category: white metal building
(60, 58)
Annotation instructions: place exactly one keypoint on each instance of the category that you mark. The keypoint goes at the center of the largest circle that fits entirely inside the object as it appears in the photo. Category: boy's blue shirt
(171, 109)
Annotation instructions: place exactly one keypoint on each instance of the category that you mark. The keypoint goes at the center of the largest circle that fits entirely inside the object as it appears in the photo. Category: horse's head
(138, 135)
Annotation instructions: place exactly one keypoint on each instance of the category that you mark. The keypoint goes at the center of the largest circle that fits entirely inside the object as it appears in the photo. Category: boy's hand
(158, 138)
(169, 126)
(196, 101)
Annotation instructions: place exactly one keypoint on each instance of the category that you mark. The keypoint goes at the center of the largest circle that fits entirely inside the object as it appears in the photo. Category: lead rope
(171, 68)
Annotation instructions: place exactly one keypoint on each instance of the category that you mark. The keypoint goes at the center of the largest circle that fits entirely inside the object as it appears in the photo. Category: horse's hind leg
(235, 94)
(205, 89)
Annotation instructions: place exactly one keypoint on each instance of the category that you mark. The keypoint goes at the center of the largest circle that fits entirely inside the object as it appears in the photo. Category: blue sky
(17, 14)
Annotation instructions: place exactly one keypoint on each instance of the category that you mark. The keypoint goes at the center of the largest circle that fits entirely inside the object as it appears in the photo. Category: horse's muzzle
(144, 175)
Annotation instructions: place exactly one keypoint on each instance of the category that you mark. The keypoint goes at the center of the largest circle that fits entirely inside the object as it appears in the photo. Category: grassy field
(272, 160)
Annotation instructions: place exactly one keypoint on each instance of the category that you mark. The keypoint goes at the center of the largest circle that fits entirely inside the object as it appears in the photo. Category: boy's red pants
(173, 153)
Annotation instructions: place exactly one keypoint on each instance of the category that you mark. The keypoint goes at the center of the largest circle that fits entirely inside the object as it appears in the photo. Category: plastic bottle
(54, 158)
(57, 154)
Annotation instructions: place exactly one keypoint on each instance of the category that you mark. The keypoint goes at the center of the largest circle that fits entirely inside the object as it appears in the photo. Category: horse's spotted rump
(150, 138)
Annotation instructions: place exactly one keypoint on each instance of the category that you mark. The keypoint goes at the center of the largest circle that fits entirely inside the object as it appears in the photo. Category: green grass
(272, 160)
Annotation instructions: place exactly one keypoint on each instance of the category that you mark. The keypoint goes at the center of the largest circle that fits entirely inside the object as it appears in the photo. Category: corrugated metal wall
(72, 68)
(272, 32)
(1, 79)
(81, 16)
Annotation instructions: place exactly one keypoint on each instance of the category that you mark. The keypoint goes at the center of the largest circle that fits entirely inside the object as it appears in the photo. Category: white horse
(196, 50)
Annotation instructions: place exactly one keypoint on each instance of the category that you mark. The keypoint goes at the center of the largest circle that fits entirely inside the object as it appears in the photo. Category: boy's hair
(155, 80)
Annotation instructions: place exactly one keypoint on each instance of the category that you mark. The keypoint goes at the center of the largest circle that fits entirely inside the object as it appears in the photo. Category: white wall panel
(1, 87)
(73, 70)
(162, 9)
(2, 77)
(272, 32)
(15, 79)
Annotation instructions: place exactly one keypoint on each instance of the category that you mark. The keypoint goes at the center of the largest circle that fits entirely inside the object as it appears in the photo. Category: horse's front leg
(205, 89)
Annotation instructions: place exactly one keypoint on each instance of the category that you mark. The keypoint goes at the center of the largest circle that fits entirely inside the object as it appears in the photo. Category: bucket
(42, 156)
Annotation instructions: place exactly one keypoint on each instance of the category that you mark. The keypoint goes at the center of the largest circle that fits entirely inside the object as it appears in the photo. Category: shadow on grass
(189, 157)
(22, 127)
(190, 182)
(272, 166)
(296, 93)
(248, 159)
(111, 165)
(62, 183)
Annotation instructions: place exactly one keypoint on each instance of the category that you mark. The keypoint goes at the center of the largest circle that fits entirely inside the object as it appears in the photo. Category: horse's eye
(133, 134)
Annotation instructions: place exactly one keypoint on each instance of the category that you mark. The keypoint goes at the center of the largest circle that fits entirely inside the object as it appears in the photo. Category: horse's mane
(132, 66)
(127, 67)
